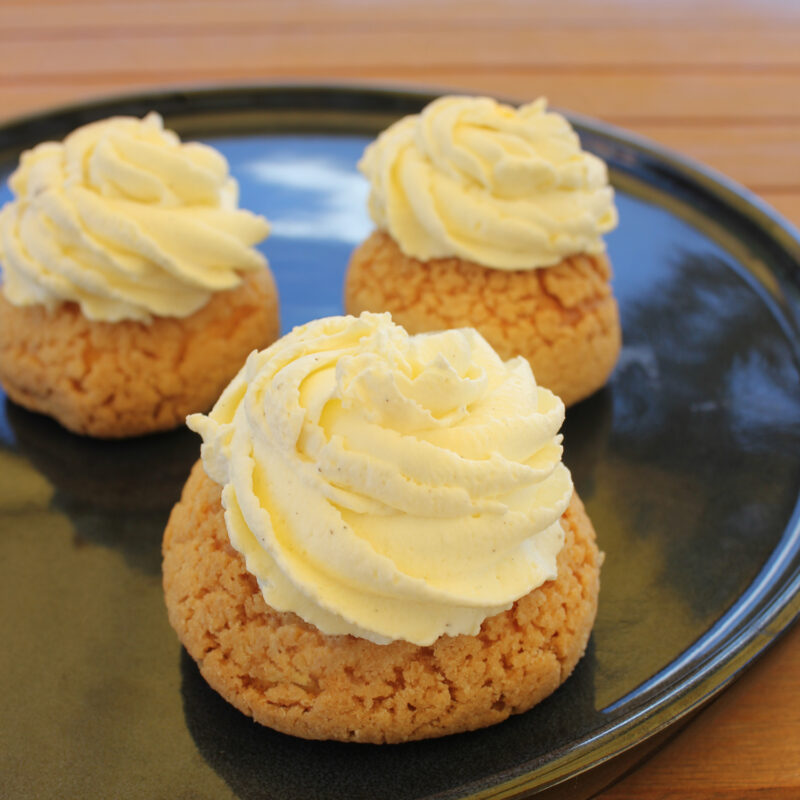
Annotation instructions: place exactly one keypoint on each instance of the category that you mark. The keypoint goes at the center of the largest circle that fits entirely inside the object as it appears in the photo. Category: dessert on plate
(492, 217)
(381, 542)
(131, 287)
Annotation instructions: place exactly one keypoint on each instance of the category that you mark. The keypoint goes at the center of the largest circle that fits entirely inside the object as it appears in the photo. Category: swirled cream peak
(473, 178)
(389, 486)
(127, 221)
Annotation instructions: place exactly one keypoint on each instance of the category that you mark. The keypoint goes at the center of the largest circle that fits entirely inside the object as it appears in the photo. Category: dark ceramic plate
(689, 464)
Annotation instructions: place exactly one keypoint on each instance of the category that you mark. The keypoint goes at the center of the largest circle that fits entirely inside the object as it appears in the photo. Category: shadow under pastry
(257, 762)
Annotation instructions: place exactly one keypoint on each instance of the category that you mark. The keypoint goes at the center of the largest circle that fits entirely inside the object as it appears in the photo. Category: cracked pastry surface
(563, 319)
(286, 674)
(118, 379)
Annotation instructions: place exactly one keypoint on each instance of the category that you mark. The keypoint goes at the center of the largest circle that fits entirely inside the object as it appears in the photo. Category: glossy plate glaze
(688, 462)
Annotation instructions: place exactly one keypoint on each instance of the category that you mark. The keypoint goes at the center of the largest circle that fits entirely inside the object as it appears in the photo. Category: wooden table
(718, 80)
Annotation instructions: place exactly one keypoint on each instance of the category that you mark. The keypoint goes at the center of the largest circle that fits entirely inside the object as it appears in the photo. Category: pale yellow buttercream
(385, 485)
(128, 222)
(508, 188)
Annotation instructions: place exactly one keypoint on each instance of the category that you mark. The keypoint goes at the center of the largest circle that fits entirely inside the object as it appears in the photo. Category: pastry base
(113, 380)
(563, 319)
(288, 675)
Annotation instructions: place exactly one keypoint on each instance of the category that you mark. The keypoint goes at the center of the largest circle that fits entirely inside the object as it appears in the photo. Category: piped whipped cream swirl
(128, 222)
(389, 486)
(473, 178)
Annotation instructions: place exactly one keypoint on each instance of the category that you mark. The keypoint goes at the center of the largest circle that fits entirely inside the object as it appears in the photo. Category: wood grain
(742, 746)
(151, 50)
(719, 14)
(716, 80)
(625, 99)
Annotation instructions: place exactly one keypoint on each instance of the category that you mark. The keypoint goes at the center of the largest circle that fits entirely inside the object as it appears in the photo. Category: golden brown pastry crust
(127, 378)
(289, 676)
(563, 319)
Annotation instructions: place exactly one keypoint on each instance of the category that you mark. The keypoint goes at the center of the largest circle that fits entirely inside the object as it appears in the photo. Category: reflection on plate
(688, 462)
